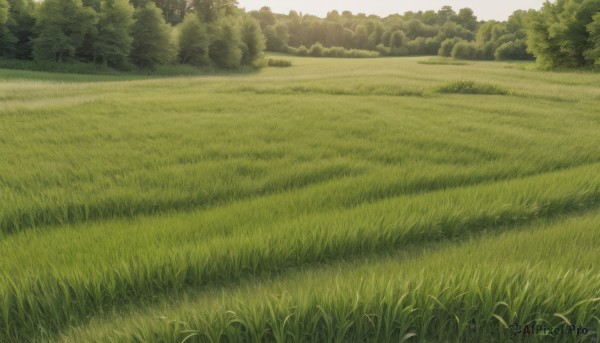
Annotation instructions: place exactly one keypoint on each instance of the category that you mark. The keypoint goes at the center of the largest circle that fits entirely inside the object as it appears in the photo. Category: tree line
(144, 33)
(119, 33)
(564, 33)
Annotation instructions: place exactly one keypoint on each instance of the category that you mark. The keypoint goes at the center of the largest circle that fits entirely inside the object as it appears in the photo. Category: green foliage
(7, 39)
(264, 16)
(399, 35)
(21, 22)
(62, 26)
(447, 46)
(442, 61)
(467, 19)
(316, 50)
(225, 49)
(273, 62)
(593, 53)
(471, 87)
(465, 50)
(210, 11)
(151, 35)
(174, 11)
(516, 50)
(4, 11)
(194, 42)
(558, 34)
(112, 43)
(277, 37)
(302, 51)
(253, 40)
(397, 39)
(383, 50)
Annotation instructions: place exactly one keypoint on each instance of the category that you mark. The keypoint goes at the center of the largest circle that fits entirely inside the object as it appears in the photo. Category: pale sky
(484, 9)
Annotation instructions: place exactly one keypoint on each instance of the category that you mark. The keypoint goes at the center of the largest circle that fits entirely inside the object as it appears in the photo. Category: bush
(279, 63)
(316, 50)
(487, 50)
(516, 50)
(471, 87)
(383, 50)
(465, 50)
(447, 46)
(356, 53)
(442, 61)
(417, 46)
(337, 51)
(302, 51)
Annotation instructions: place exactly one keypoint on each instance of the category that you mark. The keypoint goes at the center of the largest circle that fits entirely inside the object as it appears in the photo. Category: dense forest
(143, 33)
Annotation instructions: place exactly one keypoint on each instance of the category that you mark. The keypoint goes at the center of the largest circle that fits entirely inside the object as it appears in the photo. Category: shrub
(516, 50)
(471, 87)
(356, 53)
(278, 63)
(465, 50)
(316, 50)
(383, 50)
(302, 51)
(447, 46)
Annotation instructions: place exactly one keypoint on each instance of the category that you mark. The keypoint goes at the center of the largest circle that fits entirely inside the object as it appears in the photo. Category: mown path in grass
(135, 191)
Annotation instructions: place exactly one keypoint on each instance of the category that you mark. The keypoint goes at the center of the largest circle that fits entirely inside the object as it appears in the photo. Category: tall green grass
(122, 196)
(63, 294)
(469, 291)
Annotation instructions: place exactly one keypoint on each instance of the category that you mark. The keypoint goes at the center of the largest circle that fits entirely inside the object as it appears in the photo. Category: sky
(484, 9)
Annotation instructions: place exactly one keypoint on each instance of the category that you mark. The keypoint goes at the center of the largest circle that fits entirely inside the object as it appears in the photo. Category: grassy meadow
(337, 200)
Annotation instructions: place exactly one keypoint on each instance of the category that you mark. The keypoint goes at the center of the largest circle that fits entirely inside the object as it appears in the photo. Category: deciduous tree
(193, 42)
(62, 26)
(151, 35)
(112, 44)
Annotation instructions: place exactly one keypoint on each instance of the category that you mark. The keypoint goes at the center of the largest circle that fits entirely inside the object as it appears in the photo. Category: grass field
(387, 200)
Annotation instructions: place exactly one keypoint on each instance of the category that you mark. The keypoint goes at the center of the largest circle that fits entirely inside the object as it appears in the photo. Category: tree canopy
(148, 33)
